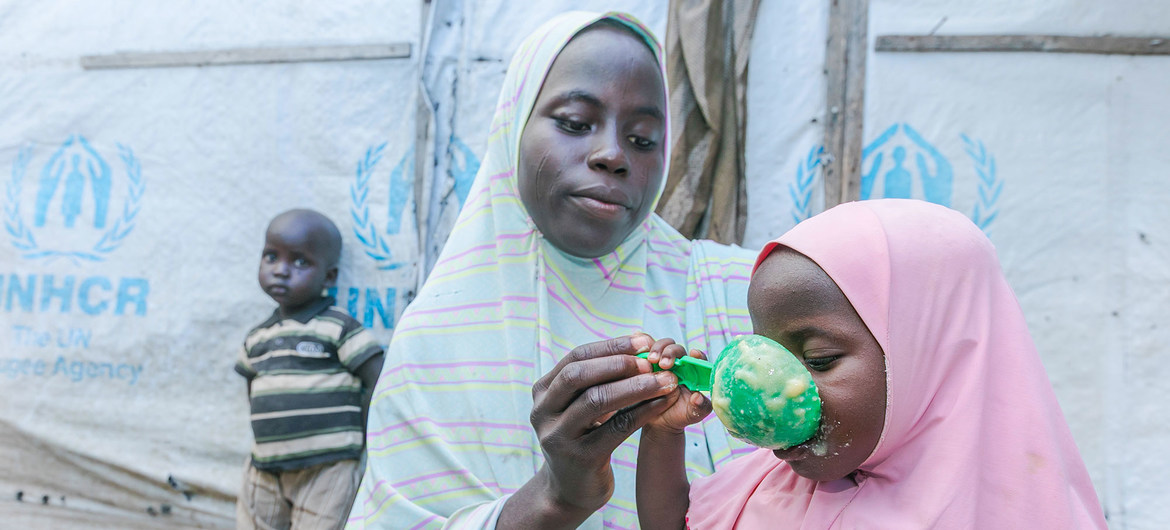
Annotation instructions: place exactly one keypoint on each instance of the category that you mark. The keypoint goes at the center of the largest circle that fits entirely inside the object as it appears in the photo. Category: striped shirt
(306, 399)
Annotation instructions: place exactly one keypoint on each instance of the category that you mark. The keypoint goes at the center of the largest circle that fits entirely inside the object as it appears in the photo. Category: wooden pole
(297, 54)
(844, 124)
(1024, 43)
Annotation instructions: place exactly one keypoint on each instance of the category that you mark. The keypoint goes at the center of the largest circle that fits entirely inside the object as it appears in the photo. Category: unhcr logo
(78, 207)
(930, 176)
(462, 168)
(375, 306)
(79, 211)
(901, 164)
(373, 241)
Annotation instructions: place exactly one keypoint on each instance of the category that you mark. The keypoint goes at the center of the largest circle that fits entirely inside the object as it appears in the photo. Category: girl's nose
(608, 154)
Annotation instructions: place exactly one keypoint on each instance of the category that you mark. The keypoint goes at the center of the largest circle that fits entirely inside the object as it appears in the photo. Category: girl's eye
(300, 262)
(641, 143)
(269, 257)
(820, 364)
(572, 126)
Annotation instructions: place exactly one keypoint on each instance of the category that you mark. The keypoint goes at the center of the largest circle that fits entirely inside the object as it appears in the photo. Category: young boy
(311, 370)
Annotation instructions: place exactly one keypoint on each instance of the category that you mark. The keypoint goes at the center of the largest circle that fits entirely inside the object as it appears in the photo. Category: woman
(509, 395)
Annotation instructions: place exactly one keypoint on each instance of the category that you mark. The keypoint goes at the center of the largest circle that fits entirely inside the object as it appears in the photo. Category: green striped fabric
(306, 400)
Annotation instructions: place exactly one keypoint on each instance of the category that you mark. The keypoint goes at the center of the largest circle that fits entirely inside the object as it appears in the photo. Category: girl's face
(591, 155)
(793, 302)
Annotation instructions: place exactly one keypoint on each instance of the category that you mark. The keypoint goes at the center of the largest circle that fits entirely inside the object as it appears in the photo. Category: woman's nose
(608, 154)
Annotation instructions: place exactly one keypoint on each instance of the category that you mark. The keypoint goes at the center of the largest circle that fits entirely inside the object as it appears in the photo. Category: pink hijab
(973, 437)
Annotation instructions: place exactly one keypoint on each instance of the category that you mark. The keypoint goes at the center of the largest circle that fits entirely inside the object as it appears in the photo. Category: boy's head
(301, 251)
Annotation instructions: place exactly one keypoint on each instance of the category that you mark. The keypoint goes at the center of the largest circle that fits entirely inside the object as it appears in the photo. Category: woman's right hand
(583, 409)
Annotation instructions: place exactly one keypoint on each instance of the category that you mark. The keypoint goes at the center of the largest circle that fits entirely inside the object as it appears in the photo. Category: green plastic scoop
(692, 373)
(760, 391)
(764, 395)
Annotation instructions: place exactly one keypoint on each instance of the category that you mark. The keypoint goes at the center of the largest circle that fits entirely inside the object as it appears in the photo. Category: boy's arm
(368, 372)
(662, 490)
(244, 369)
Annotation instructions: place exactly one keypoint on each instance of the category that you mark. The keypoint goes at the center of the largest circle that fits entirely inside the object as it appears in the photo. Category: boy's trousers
(310, 498)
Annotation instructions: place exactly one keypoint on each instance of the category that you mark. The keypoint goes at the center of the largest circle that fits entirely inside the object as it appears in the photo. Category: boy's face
(591, 156)
(793, 302)
(292, 267)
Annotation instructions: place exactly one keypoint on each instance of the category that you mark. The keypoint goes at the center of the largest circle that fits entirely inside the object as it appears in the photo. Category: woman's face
(793, 302)
(591, 155)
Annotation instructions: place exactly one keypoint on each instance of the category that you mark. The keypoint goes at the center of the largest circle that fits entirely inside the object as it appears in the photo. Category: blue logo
(401, 184)
(73, 195)
(887, 163)
(801, 190)
(463, 167)
(907, 166)
(463, 175)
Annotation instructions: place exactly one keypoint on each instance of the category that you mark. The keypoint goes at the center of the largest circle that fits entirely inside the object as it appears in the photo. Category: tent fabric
(707, 46)
(1063, 154)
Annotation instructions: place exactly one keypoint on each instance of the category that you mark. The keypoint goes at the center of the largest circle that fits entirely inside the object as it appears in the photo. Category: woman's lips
(601, 208)
(604, 193)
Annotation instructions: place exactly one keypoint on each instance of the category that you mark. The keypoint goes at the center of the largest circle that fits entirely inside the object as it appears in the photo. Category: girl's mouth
(797, 452)
(790, 454)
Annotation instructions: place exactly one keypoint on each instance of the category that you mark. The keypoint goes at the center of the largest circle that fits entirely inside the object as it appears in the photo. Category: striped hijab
(448, 436)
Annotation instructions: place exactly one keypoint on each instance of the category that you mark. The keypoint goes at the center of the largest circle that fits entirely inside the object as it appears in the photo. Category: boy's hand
(686, 407)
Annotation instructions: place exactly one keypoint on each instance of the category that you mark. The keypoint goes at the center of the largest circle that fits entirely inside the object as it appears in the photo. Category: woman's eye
(820, 364)
(572, 125)
(641, 143)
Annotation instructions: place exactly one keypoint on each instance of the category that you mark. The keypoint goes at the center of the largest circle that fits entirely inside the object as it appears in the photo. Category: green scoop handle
(692, 373)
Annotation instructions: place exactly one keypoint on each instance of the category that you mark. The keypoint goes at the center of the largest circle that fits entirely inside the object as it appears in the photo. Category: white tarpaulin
(134, 207)
(134, 203)
(1061, 158)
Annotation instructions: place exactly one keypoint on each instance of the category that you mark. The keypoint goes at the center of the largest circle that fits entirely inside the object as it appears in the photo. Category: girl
(936, 410)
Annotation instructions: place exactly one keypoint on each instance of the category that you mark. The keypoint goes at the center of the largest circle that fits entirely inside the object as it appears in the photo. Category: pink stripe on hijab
(973, 437)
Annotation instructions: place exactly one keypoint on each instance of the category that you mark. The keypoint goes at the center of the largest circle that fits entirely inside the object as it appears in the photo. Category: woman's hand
(686, 407)
(583, 409)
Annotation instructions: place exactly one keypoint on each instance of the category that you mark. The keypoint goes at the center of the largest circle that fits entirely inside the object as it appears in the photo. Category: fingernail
(666, 380)
(641, 342)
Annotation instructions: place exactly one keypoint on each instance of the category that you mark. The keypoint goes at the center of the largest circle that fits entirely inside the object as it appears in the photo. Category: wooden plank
(233, 56)
(835, 65)
(844, 125)
(1024, 43)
